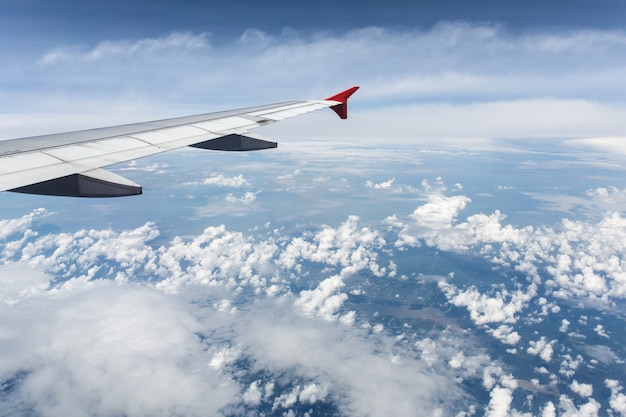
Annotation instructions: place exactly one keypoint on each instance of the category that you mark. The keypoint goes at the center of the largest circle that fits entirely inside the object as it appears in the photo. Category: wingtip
(344, 95)
(342, 108)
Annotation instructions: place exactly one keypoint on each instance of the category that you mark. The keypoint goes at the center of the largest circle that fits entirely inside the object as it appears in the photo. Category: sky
(113, 20)
(440, 81)
(496, 69)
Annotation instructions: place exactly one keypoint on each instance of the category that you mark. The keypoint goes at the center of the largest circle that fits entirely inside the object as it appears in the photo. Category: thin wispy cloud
(107, 50)
(490, 82)
(450, 61)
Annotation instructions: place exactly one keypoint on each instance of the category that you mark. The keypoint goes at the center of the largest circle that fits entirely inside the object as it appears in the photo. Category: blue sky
(114, 19)
(69, 65)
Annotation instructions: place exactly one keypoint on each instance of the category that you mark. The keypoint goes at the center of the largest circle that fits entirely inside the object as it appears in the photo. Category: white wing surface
(70, 164)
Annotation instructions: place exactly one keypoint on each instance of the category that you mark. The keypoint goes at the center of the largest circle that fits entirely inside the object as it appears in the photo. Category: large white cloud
(105, 349)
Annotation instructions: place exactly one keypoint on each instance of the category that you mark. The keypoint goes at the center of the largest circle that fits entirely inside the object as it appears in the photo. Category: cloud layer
(92, 335)
(107, 322)
(453, 80)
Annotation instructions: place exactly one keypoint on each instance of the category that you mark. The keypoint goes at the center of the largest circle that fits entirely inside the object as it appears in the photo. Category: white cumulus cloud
(220, 180)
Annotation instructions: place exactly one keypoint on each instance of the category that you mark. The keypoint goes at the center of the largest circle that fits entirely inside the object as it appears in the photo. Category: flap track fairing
(96, 183)
(236, 142)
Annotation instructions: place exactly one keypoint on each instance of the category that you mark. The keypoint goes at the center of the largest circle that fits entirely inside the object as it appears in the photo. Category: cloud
(325, 300)
(618, 399)
(505, 334)
(107, 50)
(109, 321)
(568, 407)
(499, 403)
(601, 353)
(502, 307)
(256, 311)
(592, 203)
(348, 247)
(543, 348)
(501, 388)
(247, 198)
(19, 281)
(584, 390)
(276, 308)
(599, 329)
(435, 223)
(367, 384)
(253, 394)
(14, 226)
(381, 185)
(602, 144)
(582, 258)
(502, 119)
(90, 350)
(155, 167)
(220, 180)
(491, 82)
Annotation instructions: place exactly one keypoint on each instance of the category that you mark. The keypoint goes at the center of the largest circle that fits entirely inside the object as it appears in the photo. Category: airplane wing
(70, 164)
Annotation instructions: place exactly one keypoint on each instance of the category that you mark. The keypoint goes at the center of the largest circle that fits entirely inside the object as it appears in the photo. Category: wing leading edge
(70, 164)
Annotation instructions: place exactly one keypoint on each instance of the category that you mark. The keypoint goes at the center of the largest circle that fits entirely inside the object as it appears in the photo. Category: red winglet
(342, 109)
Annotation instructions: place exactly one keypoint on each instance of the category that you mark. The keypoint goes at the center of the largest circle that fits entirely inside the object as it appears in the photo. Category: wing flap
(237, 142)
(165, 136)
(94, 149)
(25, 162)
(227, 123)
(34, 174)
(97, 183)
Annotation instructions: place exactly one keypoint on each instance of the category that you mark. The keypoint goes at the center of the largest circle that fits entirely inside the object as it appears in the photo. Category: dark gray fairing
(236, 142)
(78, 185)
